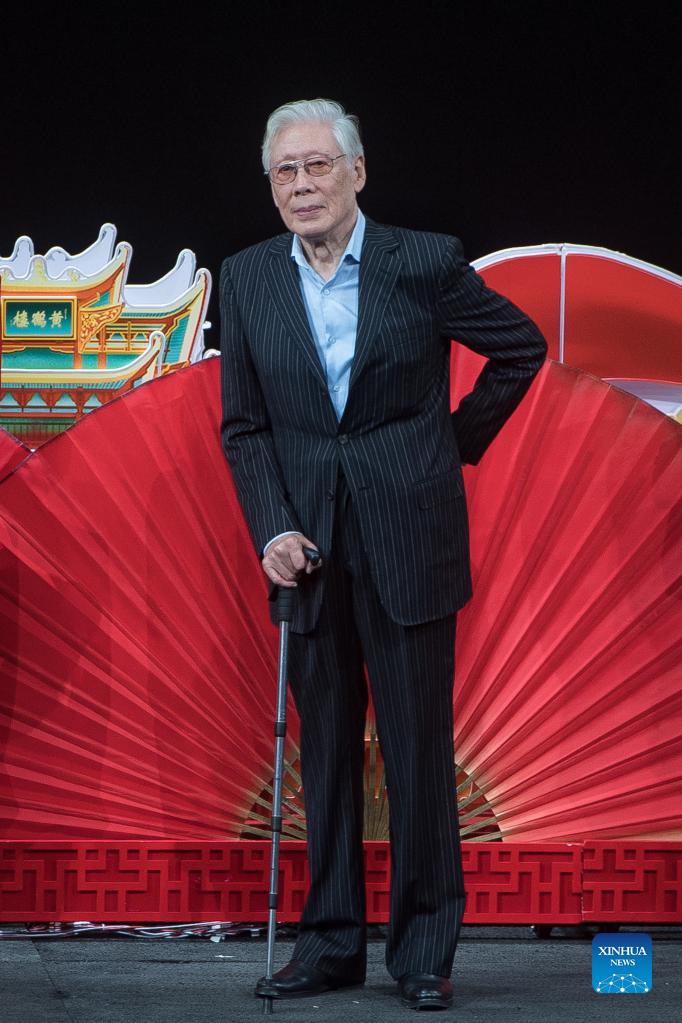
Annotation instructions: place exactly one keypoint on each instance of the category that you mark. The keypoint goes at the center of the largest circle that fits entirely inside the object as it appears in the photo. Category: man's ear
(360, 174)
(274, 195)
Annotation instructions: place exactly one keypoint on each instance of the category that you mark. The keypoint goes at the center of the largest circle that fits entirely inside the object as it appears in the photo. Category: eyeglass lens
(286, 172)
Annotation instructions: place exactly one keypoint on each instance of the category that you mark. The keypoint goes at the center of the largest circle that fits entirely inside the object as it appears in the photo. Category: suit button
(330, 495)
(343, 438)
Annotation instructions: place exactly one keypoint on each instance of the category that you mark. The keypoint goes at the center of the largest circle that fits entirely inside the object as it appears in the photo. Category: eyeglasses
(317, 166)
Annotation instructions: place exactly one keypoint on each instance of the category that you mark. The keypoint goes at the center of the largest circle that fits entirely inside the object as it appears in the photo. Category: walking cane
(284, 610)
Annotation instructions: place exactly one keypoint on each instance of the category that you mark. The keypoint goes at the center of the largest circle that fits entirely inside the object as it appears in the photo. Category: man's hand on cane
(284, 560)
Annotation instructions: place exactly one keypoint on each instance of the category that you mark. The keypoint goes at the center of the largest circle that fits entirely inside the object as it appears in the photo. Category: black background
(506, 124)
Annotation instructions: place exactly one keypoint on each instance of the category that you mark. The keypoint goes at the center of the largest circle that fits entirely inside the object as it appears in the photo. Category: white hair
(345, 127)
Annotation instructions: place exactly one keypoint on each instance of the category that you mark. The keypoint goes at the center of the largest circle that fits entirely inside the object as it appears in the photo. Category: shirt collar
(351, 252)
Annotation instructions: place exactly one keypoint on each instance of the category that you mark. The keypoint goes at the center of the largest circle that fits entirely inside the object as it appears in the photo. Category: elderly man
(336, 423)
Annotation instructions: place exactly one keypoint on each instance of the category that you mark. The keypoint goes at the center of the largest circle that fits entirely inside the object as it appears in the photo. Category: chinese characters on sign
(38, 318)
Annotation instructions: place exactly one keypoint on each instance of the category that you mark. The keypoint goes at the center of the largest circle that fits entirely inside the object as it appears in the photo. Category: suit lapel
(281, 276)
(379, 268)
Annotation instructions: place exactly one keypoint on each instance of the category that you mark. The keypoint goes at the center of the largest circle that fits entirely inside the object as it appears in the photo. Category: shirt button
(326, 291)
(335, 387)
(332, 340)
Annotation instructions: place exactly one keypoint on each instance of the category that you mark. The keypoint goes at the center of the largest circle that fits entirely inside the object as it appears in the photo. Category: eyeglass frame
(302, 163)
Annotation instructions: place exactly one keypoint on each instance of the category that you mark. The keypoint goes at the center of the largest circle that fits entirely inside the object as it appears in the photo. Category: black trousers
(411, 672)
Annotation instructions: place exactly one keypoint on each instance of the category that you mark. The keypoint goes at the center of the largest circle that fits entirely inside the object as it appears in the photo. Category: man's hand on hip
(284, 560)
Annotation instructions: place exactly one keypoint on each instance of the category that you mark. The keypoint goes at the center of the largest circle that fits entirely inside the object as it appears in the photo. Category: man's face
(316, 208)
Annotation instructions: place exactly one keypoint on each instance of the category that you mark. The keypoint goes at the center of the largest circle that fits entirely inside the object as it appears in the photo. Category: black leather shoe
(425, 991)
(297, 979)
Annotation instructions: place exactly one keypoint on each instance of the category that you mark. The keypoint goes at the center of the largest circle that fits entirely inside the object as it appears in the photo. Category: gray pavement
(500, 974)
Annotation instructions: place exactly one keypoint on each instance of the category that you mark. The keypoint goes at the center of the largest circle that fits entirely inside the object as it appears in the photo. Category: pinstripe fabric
(399, 446)
(395, 568)
(411, 670)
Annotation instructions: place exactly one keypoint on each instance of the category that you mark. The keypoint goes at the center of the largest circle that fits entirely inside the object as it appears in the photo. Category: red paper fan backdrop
(12, 451)
(602, 311)
(139, 664)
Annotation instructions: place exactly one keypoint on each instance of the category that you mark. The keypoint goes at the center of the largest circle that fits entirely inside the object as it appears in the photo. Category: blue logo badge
(621, 964)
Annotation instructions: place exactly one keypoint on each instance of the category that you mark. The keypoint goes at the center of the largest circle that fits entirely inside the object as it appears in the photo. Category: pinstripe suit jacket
(400, 447)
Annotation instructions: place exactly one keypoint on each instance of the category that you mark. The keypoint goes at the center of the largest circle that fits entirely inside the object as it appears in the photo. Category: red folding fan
(139, 662)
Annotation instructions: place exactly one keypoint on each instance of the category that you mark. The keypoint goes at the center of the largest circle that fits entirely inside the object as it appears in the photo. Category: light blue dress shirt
(332, 308)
